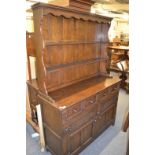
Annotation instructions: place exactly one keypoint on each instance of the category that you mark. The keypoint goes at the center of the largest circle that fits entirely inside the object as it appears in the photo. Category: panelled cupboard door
(81, 138)
(104, 119)
(99, 123)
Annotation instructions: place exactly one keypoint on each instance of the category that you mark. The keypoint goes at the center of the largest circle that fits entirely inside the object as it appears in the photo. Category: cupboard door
(104, 119)
(99, 123)
(75, 141)
(110, 115)
(80, 138)
(87, 133)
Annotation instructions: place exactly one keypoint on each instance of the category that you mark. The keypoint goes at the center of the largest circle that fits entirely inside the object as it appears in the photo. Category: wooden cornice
(70, 13)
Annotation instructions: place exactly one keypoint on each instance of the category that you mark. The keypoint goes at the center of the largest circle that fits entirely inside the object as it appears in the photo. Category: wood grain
(78, 101)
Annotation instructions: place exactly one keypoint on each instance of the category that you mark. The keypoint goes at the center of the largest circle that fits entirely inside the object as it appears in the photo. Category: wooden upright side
(39, 46)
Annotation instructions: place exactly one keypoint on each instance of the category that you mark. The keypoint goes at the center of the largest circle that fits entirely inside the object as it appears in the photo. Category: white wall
(117, 28)
(29, 28)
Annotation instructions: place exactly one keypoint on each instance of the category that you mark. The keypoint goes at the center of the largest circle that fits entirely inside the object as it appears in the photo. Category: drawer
(114, 88)
(107, 103)
(79, 120)
(102, 95)
(89, 102)
(72, 111)
(82, 106)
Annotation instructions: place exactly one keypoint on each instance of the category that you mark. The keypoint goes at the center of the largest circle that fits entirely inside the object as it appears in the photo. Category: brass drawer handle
(74, 110)
(104, 94)
(91, 101)
(94, 122)
(67, 130)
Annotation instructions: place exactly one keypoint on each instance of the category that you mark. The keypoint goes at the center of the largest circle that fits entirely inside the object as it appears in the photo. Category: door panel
(104, 119)
(81, 137)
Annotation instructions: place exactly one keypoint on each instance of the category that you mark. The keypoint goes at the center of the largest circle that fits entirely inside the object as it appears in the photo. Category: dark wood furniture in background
(77, 98)
(119, 56)
(125, 128)
(126, 123)
(30, 50)
(116, 54)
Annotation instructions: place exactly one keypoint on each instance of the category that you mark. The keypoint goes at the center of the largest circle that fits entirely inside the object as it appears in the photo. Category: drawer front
(81, 107)
(88, 103)
(103, 105)
(102, 95)
(72, 111)
(114, 88)
(80, 120)
(83, 118)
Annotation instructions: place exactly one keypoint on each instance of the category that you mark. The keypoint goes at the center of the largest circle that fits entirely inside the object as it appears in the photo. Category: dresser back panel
(59, 78)
(70, 29)
(72, 50)
(70, 53)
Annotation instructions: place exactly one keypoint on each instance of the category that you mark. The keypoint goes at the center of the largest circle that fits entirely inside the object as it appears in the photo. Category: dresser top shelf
(77, 92)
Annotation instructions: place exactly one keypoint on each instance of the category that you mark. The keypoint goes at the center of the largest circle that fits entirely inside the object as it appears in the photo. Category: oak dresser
(77, 97)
